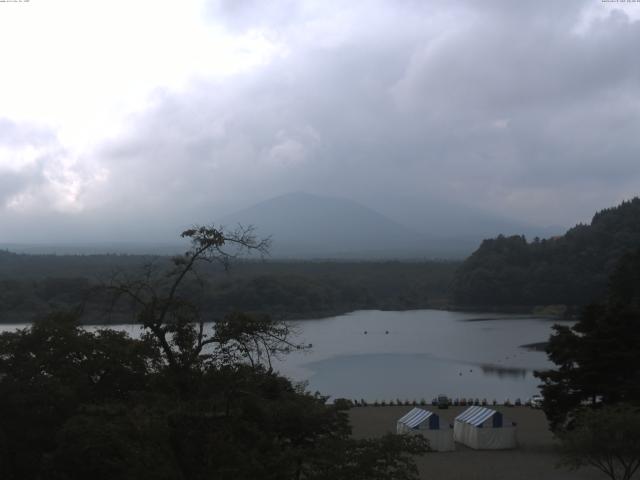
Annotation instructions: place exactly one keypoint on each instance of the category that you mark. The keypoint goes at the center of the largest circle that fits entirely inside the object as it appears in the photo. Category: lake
(415, 354)
(420, 354)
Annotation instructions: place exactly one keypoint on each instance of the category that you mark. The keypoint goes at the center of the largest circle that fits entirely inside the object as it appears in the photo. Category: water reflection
(504, 372)
(504, 317)
(425, 353)
(414, 376)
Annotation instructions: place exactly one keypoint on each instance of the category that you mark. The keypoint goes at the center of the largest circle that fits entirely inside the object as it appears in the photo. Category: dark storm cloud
(511, 107)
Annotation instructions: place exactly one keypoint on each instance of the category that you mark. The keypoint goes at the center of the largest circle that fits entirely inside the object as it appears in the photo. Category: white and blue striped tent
(429, 425)
(482, 428)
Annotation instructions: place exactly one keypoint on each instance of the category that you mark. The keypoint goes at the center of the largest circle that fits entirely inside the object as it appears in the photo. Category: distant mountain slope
(313, 226)
(446, 219)
(570, 269)
(304, 225)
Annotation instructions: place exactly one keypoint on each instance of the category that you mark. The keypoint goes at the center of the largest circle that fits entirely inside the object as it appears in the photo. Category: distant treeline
(33, 285)
(571, 269)
(503, 273)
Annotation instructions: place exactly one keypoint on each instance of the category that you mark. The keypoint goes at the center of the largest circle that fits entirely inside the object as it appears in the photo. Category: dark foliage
(598, 359)
(76, 405)
(183, 402)
(32, 285)
(570, 270)
(607, 439)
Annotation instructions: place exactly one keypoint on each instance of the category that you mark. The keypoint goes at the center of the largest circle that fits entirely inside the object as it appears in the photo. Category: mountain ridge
(306, 225)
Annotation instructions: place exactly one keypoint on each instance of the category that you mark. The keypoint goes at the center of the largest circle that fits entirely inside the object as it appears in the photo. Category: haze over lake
(415, 354)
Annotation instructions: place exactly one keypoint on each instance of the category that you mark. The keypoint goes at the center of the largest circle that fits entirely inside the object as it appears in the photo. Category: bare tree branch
(175, 322)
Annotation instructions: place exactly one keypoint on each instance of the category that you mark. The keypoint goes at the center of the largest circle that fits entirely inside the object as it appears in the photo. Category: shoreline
(521, 312)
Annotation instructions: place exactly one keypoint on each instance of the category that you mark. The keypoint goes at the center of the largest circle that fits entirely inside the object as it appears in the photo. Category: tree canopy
(607, 439)
(598, 358)
(181, 402)
(32, 285)
(571, 269)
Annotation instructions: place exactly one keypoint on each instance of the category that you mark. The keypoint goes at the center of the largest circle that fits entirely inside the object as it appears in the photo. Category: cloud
(528, 110)
(37, 174)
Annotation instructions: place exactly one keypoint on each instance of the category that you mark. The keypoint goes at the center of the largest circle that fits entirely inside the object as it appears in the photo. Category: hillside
(310, 226)
(571, 269)
(306, 226)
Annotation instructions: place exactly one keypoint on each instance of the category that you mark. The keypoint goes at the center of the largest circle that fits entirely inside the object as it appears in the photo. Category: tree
(571, 269)
(183, 402)
(598, 359)
(607, 439)
(77, 404)
(256, 338)
(49, 372)
(371, 459)
(173, 320)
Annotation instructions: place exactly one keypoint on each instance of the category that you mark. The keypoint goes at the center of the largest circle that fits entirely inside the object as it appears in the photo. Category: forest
(571, 269)
(33, 285)
(505, 272)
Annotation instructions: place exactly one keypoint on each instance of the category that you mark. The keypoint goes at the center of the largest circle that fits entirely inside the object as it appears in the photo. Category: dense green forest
(571, 269)
(36, 284)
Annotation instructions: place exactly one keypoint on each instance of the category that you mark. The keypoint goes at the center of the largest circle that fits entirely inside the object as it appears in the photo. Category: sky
(128, 120)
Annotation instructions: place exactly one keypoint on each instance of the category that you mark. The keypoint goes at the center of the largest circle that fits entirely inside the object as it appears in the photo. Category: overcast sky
(129, 120)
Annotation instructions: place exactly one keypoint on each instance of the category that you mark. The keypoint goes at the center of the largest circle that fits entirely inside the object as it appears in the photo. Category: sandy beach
(534, 458)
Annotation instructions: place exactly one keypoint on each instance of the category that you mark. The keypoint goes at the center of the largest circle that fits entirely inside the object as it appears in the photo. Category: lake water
(420, 354)
(416, 354)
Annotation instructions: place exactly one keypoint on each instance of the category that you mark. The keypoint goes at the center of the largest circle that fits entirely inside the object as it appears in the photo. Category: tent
(427, 424)
(484, 429)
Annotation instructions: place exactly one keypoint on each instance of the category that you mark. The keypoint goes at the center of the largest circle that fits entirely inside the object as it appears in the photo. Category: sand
(535, 457)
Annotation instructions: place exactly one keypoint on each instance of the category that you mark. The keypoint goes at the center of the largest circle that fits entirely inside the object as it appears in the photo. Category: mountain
(311, 226)
(571, 269)
(448, 220)
(305, 226)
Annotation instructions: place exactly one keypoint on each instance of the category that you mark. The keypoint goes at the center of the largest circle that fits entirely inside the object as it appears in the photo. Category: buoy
(386, 332)
(365, 332)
